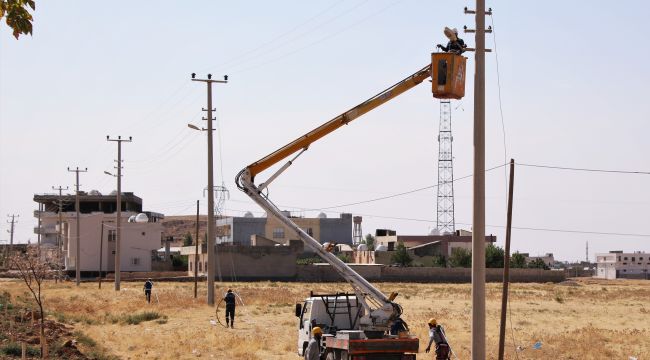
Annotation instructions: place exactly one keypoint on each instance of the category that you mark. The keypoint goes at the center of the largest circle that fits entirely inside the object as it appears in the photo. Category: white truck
(356, 326)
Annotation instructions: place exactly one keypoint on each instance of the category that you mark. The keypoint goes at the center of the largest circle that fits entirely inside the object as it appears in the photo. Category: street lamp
(194, 127)
(107, 173)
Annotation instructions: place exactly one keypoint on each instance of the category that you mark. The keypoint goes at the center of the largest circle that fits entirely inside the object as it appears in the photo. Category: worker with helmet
(455, 45)
(313, 348)
(437, 334)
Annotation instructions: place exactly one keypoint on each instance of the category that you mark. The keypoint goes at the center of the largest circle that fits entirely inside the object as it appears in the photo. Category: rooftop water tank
(131, 219)
(381, 247)
(141, 218)
(322, 216)
(248, 214)
(362, 247)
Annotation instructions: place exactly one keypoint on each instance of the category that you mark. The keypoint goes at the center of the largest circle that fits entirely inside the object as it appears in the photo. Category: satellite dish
(131, 218)
(381, 247)
(362, 247)
(434, 232)
(322, 216)
(249, 214)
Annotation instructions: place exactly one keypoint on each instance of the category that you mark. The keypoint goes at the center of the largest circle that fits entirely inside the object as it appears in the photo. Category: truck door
(304, 327)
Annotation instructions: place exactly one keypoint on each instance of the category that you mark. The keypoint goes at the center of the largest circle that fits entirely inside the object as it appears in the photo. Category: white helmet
(455, 31)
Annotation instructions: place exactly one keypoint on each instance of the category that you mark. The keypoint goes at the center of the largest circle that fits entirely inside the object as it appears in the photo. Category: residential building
(618, 264)
(240, 230)
(422, 248)
(140, 231)
(548, 259)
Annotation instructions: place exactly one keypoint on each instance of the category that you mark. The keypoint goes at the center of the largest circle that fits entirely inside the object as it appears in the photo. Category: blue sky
(573, 84)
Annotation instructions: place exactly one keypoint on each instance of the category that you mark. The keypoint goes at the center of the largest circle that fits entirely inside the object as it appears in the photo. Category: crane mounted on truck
(370, 312)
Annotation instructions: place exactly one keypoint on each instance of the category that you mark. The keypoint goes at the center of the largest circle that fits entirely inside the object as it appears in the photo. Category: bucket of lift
(448, 75)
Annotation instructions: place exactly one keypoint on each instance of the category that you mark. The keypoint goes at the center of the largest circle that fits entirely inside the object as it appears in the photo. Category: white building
(617, 264)
(139, 238)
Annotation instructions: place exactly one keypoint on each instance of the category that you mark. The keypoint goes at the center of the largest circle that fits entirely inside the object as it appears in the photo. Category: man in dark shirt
(455, 45)
(148, 285)
(230, 308)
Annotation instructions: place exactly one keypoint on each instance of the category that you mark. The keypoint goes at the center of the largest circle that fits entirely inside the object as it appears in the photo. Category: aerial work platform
(448, 76)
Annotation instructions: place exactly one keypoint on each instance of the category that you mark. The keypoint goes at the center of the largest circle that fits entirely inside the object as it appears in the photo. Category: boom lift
(377, 311)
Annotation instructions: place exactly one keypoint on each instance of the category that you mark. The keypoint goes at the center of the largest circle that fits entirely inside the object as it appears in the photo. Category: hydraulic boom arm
(380, 311)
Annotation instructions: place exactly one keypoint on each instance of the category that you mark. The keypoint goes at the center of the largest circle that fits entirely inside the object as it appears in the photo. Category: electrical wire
(636, 172)
(505, 159)
(398, 194)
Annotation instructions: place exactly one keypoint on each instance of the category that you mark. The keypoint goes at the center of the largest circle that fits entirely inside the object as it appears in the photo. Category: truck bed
(373, 346)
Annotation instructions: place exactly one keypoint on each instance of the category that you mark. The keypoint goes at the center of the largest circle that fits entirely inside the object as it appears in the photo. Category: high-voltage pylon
(445, 216)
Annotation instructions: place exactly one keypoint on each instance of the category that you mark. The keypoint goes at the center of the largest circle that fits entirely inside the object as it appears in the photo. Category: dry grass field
(587, 319)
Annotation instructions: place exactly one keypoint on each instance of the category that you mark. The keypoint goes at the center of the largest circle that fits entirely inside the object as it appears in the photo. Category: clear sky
(573, 76)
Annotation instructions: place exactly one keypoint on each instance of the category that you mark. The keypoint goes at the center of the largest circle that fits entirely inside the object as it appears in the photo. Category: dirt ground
(583, 319)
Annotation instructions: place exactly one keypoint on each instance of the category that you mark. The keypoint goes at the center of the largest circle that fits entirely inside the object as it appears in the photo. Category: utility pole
(506, 264)
(478, 214)
(11, 231)
(211, 221)
(59, 243)
(118, 219)
(101, 253)
(196, 252)
(77, 260)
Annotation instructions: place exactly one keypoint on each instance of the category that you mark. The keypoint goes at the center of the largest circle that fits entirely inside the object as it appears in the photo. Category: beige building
(617, 264)
(139, 239)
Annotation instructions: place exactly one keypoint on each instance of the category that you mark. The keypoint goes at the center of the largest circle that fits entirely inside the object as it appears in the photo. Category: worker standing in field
(148, 285)
(437, 334)
(230, 308)
(312, 352)
(455, 45)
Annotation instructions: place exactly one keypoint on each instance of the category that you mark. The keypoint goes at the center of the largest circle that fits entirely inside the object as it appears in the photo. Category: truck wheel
(331, 356)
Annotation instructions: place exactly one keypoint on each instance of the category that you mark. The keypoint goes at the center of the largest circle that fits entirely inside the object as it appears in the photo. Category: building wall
(238, 230)
(623, 264)
(338, 230)
(137, 242)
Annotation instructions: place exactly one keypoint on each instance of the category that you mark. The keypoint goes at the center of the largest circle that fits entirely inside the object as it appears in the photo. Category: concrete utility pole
(11, 232)
(211, 221)
(478, 215)
(118, 219)
(77, 260)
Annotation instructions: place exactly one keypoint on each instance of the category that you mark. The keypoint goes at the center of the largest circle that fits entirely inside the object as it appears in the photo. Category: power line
(637, 172)
(399, 194)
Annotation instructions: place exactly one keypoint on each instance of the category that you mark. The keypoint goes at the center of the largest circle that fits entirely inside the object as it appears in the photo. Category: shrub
(138, 318)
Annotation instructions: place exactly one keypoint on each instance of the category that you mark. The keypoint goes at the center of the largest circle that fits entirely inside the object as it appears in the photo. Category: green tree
(439, 261)
(370, 242)
(17, 15)
(187, 240)
(344, 257)
(494, 256)
(401, 256)
(538, 264)
(517, 260)
(460, 257)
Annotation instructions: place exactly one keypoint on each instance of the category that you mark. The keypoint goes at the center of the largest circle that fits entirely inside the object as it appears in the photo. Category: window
(633, 258)
(113, 252)
(278, 233)
(624, 263)
(619, 258)
(200, 266)
(205, 265)
(112, 235)
(191, 266)
(310, 232)
(625, 258)
(640, 258)
(144, 233)
(135, 261)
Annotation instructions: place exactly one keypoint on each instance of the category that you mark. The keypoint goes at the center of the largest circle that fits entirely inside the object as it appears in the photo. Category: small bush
(84, 339)
(144, 316)
(14, 349)
(559, 298)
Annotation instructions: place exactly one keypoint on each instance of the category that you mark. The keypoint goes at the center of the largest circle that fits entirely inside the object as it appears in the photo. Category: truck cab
(330, 312)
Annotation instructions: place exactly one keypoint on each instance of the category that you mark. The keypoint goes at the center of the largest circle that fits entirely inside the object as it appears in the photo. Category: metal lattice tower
(445, 214)
(357, 234)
